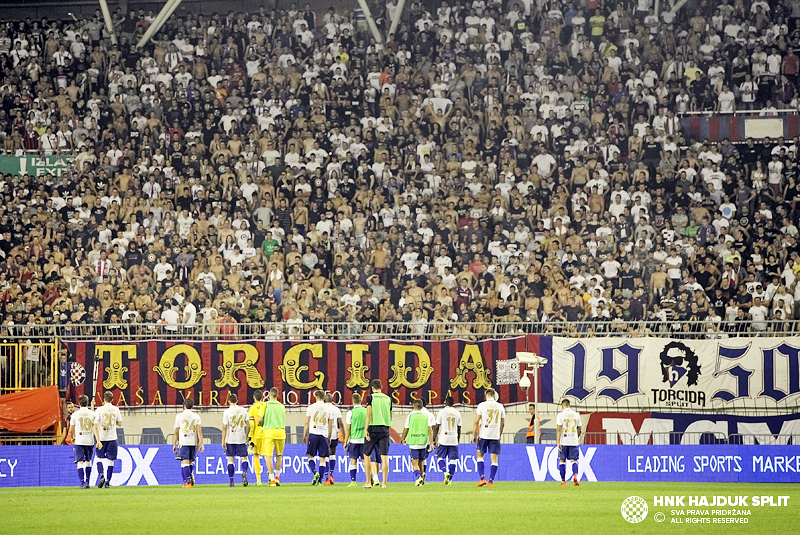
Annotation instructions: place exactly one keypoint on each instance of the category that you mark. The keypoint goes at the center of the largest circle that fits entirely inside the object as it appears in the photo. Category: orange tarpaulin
(30, 411)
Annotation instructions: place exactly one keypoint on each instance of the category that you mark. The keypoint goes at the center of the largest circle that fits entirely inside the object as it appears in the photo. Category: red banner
(159, 372)
(30, 411)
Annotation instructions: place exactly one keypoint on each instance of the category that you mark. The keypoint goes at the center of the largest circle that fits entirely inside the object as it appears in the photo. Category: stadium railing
(11, 439)
(25, 364)
(401, 330)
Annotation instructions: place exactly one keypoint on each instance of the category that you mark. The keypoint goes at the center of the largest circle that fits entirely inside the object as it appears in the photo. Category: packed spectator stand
(517, 164)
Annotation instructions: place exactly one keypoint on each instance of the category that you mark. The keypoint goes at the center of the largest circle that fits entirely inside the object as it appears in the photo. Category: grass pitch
(508, 508)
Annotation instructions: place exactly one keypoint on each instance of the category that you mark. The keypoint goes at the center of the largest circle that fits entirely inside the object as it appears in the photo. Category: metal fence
(25, 365)
(10, 439)
(402, 330)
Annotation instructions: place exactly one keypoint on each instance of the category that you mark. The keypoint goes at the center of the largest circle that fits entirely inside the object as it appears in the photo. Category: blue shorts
(569, 452)
(334, 444)
(355, 451)
(447, 452)
(374, 457)
(236, 450)
(187, 453)
(83, 454)
(489, 445)
(108, 451)
(318, 447)
(419, 454)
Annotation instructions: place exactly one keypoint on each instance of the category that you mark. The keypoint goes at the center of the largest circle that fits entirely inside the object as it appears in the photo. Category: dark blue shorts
(419, 454)
(187, 453)
(489, 445)
(355, 451)
(318, 446)
(447, 452)
(569, 452)
(236, 450)
(334, 444)
(83, 454)
(108, 451)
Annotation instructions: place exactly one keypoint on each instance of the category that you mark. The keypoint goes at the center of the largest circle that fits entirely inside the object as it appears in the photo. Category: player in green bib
(354, 430)
(417, 434)
(379, 422)
(274, 428)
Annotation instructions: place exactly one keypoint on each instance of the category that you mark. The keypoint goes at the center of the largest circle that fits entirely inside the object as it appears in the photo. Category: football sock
(312, 466)
(245, 467)
(417, 474)
(186, 470)
(562, 467)
(352, 474)
(80, 472)
(332, 465)
(88, 471)
(480, 468)
(323, 467)
(452, 469)
(493, 472)
(271, 476)
(230, 471)
(109, 470)
(257, 467)
(442, 465)
(574, 469)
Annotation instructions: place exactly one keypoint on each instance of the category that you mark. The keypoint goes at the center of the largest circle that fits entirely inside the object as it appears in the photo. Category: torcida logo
(677, 360)
(634, 509)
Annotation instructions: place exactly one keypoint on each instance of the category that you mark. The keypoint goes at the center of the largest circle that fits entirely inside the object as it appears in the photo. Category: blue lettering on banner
(793, 355)
(742, 374)
(31, 466)
(578, 373)
(612, 373)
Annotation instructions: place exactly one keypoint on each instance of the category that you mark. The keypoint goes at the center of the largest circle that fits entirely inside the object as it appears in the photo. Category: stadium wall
(29, 466)
(614, 374)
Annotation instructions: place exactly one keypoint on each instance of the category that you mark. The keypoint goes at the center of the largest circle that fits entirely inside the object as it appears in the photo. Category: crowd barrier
(33, 466)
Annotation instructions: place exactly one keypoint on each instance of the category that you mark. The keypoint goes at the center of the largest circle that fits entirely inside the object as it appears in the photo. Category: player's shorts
(419, 454)
(274, 441)
(259, 446)
(108, 451)
(355, 451)
(447, 452)
(489, 445)
(83, 454)
(317, 446)
(569, 452)
(333, 445)
(236, 450)
(378, 439)
(187, 453)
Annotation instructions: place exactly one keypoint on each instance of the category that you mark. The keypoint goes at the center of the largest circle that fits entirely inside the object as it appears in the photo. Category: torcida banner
(668, 374)
(159, 372)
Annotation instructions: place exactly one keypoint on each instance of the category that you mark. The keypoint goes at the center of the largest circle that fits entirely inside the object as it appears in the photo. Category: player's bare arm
(176, 434)
(477, 429)
(305, 429)
(558, 436)
(224, 436)
(367, 422)
(403, 436)
(435, 435)
(200, 446)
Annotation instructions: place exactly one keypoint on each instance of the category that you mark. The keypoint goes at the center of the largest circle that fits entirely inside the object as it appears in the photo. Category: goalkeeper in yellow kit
(256, 436)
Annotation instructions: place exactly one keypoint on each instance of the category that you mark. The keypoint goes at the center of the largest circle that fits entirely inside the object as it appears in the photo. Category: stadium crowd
(517, 163)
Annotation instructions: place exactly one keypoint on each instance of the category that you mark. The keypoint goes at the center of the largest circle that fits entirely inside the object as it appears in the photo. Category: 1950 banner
(161, 372)
(673, 374)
